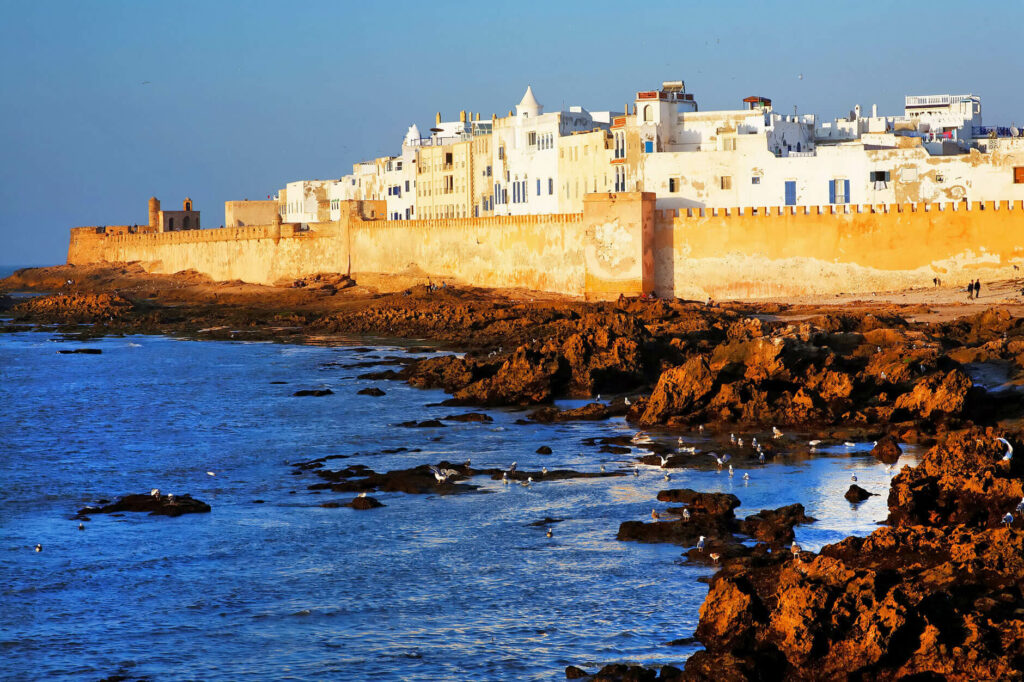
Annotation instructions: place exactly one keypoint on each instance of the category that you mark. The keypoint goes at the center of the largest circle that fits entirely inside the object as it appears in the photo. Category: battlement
(838, 209)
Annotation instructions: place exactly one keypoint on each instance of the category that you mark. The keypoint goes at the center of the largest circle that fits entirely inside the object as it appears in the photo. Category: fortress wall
(542, 252)
(619, 244)
(780, 251)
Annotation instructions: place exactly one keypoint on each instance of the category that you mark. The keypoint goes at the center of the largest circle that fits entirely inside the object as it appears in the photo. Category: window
(648, 112)
(448, 159)
(879, 176)
(729, 144)
(1018, 175)
(531, 138)
(672, 185)
(839, 191)
(755, 180)
(725, 182)
(406, 185)
(501, 152)
(398, 166)
(940, 178)
(538, 186)
(488, 171)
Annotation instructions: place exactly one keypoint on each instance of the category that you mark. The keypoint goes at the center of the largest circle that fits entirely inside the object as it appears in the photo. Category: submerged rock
(857, 494)
(156, 505)
(372, 391)
(316, 392)
(82, 351)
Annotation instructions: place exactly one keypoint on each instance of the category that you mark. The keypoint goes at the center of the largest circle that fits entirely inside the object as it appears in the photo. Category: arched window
(648, 112)
(185, 226)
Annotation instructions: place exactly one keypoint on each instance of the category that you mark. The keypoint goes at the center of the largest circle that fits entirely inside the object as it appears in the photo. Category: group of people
(974, 289)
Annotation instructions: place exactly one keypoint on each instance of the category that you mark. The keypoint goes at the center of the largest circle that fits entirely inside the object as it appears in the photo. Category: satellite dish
(1014, 131)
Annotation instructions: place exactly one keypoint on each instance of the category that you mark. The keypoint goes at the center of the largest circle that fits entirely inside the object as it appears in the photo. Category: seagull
(760, 458)
(732, 438)
(776, 433)
(795, 549)
(626, 400)
(853, 477)
(730, 471)
(888, 468)
(362, 494)
(850, 444)
(529, 480)
(746, 477)
(686, 514)
(512, 468)
(882, 375)
(1008, 519)
(739, 442)
(700, 544)
(715, 556)
(210, 473)
(544, 470)
(667, 477)
(640, 438)
(814, 443)
(679, 441)
(155, 492)
(690, 450)
(598, 396)
(442, 475)
(504, 477)
(39, 548)
(1020, 506)
(550, 533)
(602, 468)
(753, 442)
(664, 460)
(466, 463)
(1009, 449)
(636, 471)
(720, 459)
(170, 498)
(655, 515)
(81, 526)
(701, 428)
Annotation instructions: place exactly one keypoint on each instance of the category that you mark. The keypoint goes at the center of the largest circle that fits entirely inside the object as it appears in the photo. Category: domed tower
(154, 213)
(187, 204)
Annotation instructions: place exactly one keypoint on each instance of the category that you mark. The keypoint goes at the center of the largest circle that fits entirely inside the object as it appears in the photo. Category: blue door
(790, 192)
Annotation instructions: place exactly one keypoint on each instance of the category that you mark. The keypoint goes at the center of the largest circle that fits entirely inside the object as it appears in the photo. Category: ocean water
(429, 587)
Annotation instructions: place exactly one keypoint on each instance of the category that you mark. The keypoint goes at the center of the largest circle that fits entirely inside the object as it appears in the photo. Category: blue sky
(105, 103)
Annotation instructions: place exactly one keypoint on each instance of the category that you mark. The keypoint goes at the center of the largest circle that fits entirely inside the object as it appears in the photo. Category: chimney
(437, 119)
(462, 116)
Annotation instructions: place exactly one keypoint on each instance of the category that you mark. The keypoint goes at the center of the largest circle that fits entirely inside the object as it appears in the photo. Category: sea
(270, 585)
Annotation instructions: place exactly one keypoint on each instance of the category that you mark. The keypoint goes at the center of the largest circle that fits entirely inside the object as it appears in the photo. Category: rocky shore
(934, 594)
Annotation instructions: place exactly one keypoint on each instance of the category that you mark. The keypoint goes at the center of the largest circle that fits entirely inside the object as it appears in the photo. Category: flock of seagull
(641, 438)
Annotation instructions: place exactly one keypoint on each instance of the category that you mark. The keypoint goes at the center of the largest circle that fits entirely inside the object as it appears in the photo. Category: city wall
(826, 250)
(599, 252)
(619, 244)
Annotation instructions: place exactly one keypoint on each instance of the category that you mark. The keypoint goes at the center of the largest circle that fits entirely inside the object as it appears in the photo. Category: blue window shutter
(648, 147)
(831, 191)
(790, 193)
(847, 190)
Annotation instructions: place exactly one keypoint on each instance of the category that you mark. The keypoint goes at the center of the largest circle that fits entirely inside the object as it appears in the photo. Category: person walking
(970, 290)
(977, 288)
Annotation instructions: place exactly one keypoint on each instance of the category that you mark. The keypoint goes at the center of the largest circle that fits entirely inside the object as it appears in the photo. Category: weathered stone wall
(619, 244)
(726, 253)
(242, 213)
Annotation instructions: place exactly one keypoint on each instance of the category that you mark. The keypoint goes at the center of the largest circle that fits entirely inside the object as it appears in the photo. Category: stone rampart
(783, 251)
(619, 244)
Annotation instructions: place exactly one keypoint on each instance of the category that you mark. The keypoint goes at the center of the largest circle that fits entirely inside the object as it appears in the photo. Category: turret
(154, 213)
(187, 204)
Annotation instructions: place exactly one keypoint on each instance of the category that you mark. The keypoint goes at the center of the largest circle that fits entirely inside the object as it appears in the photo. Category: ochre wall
(543, 252)
(241, 213)
(811, 250)
(619, 244)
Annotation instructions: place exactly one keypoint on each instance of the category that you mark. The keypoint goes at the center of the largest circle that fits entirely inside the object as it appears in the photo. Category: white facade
(936, 151)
